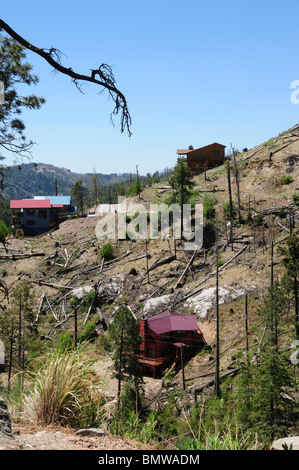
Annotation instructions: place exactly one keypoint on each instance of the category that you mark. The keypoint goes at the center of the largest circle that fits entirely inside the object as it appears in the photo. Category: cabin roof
(186, 151)
(168, 321)
(30, 204)
(64, 200)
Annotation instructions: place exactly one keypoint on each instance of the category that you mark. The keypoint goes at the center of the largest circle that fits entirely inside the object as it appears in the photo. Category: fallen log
(214, 273)
(211, 382)
(40, 307)
(56, 286)
(186, 268)
(160, 263)
(16, 256)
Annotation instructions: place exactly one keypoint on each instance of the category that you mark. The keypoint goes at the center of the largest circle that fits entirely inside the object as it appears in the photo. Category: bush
(65, 342)
(89, 332)
(3, 229)
(65, 391)
(258, 220)
(296, 199)
(282, 213)
(209, 210)
(226, 208)
(286, 179)
(107, 252)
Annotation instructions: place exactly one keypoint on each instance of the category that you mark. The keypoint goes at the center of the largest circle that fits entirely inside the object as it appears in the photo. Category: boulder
(5, 421)
(90, 432)
(206, 300)
(286, 443)
(157, 304)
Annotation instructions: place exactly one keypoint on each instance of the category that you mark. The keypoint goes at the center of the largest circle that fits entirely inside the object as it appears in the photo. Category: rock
(157, 304)
(90, 432)
(287, 442)
(204, 301)
(81, 292)
(5, 421)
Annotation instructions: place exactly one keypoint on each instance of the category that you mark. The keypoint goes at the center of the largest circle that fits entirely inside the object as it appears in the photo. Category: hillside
(66, 264)
(33, 179)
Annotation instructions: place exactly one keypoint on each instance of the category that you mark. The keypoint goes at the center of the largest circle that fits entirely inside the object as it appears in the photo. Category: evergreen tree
(264, 396)
(181, 182)
(78, 193)
(95, 189)
(14, 70)
(124, 342)
(291, 263)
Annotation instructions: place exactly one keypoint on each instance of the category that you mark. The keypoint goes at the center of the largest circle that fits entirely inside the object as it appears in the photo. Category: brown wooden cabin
(203, 158)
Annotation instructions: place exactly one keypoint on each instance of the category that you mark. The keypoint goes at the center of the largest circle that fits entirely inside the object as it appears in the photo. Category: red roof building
(41, 214)
(164, 336)
(34, 216)
(30, 204)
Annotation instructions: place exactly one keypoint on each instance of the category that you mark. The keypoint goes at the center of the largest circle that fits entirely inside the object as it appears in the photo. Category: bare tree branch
(106, 77)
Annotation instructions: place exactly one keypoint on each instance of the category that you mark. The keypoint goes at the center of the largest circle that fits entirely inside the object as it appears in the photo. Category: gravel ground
(65, 439)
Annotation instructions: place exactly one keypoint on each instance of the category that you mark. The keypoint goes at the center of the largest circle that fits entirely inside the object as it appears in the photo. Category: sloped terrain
(66, 263)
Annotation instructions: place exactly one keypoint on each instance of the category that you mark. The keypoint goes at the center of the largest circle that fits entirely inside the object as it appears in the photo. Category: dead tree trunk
(230, 201)
(237, 176)
(217, 377)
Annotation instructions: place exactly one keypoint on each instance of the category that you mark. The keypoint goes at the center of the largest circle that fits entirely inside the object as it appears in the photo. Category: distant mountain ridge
(34, 179)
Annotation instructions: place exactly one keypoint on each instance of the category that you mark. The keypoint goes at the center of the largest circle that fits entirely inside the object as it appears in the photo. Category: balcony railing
(155, 361)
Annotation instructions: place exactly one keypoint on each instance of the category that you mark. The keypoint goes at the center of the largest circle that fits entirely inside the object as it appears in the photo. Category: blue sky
(193, 73)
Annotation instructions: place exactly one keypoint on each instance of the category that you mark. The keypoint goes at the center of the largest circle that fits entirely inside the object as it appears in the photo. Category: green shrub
(296, 199)
(89, 332)
(286, 179)
(282, 213)
(3, 229)
(226, 208)
(107, 252)
(258, 220)
(65, 342)
(209, 210)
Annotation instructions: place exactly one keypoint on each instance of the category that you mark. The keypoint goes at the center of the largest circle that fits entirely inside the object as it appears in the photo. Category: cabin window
(151, 353)
(216, 153)
(42, 213)
(180, 334)
(30, 211)
(30, 222)
(165, 351)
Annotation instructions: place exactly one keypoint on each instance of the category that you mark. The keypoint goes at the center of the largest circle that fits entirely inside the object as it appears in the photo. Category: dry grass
(65, 390)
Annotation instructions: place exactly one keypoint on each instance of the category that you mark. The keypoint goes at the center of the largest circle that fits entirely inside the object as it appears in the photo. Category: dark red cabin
(163, 337)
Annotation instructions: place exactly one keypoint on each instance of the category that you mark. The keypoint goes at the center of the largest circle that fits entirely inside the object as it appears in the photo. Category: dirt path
(65, 439)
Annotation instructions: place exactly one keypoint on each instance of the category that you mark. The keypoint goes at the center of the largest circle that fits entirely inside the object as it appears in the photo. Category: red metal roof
(30, 204)
(168, 321)
(57, 205)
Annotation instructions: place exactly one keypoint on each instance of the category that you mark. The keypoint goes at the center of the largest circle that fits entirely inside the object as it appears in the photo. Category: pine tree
(264, 396)
(14, 70)
(291, 263)
(78, 192)
(181, 183)
(124, 342)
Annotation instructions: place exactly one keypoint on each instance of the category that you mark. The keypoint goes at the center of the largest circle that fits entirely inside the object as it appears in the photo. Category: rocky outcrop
(5, 421)
(157, 304)
(286, 443)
